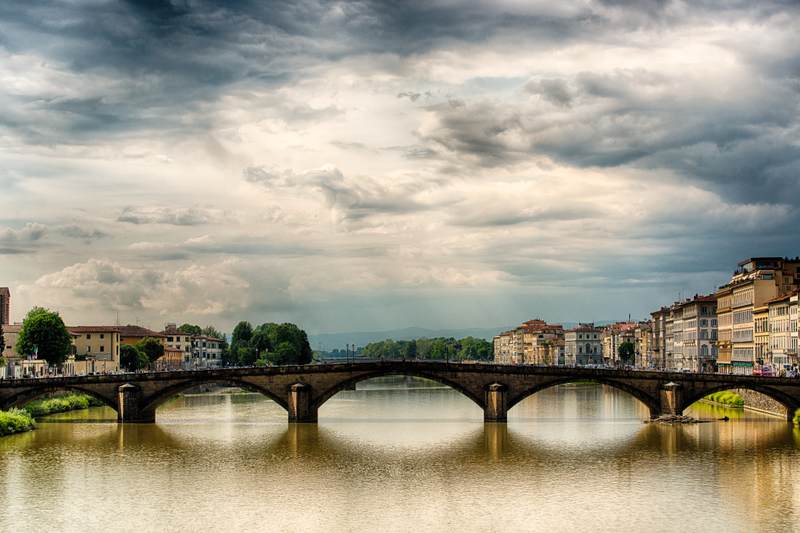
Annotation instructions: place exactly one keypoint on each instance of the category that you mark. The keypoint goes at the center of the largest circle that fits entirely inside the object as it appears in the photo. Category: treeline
(468, 348)
(268, 344)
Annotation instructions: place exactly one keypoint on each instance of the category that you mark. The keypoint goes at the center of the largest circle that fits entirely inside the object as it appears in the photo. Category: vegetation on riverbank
(61, 404)
(726, 398)
(797, 418)
(15, 421)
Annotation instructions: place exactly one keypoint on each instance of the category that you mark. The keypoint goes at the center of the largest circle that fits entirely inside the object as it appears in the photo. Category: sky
(356, 166)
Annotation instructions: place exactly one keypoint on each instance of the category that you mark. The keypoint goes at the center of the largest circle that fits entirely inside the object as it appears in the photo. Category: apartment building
(793, 329)
(583, 345)
(755, 282)
(177, 340)
(724, 330)
(761, 334)
(207, 351)
(643, 341)
(698, 333)
(780, 334)
(658, 352)
(534, 342)
(95, 349)
(613, 337)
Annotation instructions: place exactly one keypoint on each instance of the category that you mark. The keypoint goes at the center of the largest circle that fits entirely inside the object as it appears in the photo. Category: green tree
(151, 348)
(627, 353)
(260, 341)
(44, 331)
(190, 329)
(131, 358)
(411, 350)
(285, 354)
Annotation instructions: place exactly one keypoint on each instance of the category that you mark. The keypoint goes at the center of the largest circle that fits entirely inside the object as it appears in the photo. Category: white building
(206, 351)
(583, 345)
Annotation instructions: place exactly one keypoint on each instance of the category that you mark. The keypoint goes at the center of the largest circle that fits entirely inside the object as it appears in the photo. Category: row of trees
(468, 348)
(276, 344)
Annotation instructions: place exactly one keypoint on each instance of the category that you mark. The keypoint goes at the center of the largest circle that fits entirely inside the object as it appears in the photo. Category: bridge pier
(671, 399)
(495, 409)
(129, 401)
(300, 407)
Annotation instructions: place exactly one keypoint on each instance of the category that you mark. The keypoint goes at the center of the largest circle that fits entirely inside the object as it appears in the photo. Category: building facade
(583, 346)
(755, 282)
(207, 351)
(780, 334)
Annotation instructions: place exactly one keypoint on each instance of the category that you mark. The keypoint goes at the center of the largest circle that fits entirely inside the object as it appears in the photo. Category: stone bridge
(301, 390)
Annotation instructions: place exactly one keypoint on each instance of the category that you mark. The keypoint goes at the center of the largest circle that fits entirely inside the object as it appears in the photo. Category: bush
(797, 418)
(61, 404)
(15, 421)
(726, 398)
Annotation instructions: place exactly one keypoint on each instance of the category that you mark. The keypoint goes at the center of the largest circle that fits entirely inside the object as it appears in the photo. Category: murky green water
(394, 458)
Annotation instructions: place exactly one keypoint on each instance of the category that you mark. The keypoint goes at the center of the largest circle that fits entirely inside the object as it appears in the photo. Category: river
(401, 455)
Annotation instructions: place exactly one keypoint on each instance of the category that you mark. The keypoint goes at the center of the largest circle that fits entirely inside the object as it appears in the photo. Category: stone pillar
(300, 409)
(670, 397)
(495, 409)
(129, 401)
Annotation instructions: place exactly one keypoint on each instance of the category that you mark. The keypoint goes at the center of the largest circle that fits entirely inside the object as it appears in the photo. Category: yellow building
(96, 349)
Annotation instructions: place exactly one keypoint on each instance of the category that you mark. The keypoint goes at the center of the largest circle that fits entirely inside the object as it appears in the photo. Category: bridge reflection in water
(576, 457)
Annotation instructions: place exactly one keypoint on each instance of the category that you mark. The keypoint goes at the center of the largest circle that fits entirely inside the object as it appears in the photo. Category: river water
(401, 455)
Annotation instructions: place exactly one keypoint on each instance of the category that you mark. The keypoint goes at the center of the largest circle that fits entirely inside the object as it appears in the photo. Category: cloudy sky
(375, 165)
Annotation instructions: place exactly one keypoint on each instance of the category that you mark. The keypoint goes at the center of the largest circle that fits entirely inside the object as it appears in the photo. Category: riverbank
(15, 421)
(61, 404)
(21, 420)
(726, 398)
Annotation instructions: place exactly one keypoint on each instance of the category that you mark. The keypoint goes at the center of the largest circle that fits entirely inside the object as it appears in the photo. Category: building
(643, 342)
(793, 328)
(761, 334)
(534, 342)
(5, 306)
(583, 346)
(724, 330)
(658, 351)
(95, 349)
(207, 351)
(755, 282)
(780, 334)
(698, 333)
(173, 338)
(171, 360)
(501, 346)
(613, 336)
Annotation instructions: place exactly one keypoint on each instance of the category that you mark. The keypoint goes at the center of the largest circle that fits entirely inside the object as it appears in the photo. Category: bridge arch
(29, 395)
(154, 401)
(651, 402)
(327, 394)
(791, 404)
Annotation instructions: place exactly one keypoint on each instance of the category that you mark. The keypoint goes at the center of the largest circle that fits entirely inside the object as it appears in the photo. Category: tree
(211, 331)
(411, 350)
(131, 358)
(151, 347)
(286, 353)
(260, 341)
(240, 343)
(190, 329)
(627, 353)
(44, 332)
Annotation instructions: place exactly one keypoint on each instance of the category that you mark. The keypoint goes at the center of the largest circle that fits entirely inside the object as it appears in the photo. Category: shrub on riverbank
(726, 398)
(15, 421)
(61, 404)
(797, 418)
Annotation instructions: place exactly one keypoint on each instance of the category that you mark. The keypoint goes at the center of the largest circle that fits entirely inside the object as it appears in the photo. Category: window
(102, 348)
(102, 336)
(88, 335)
(169, 339)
